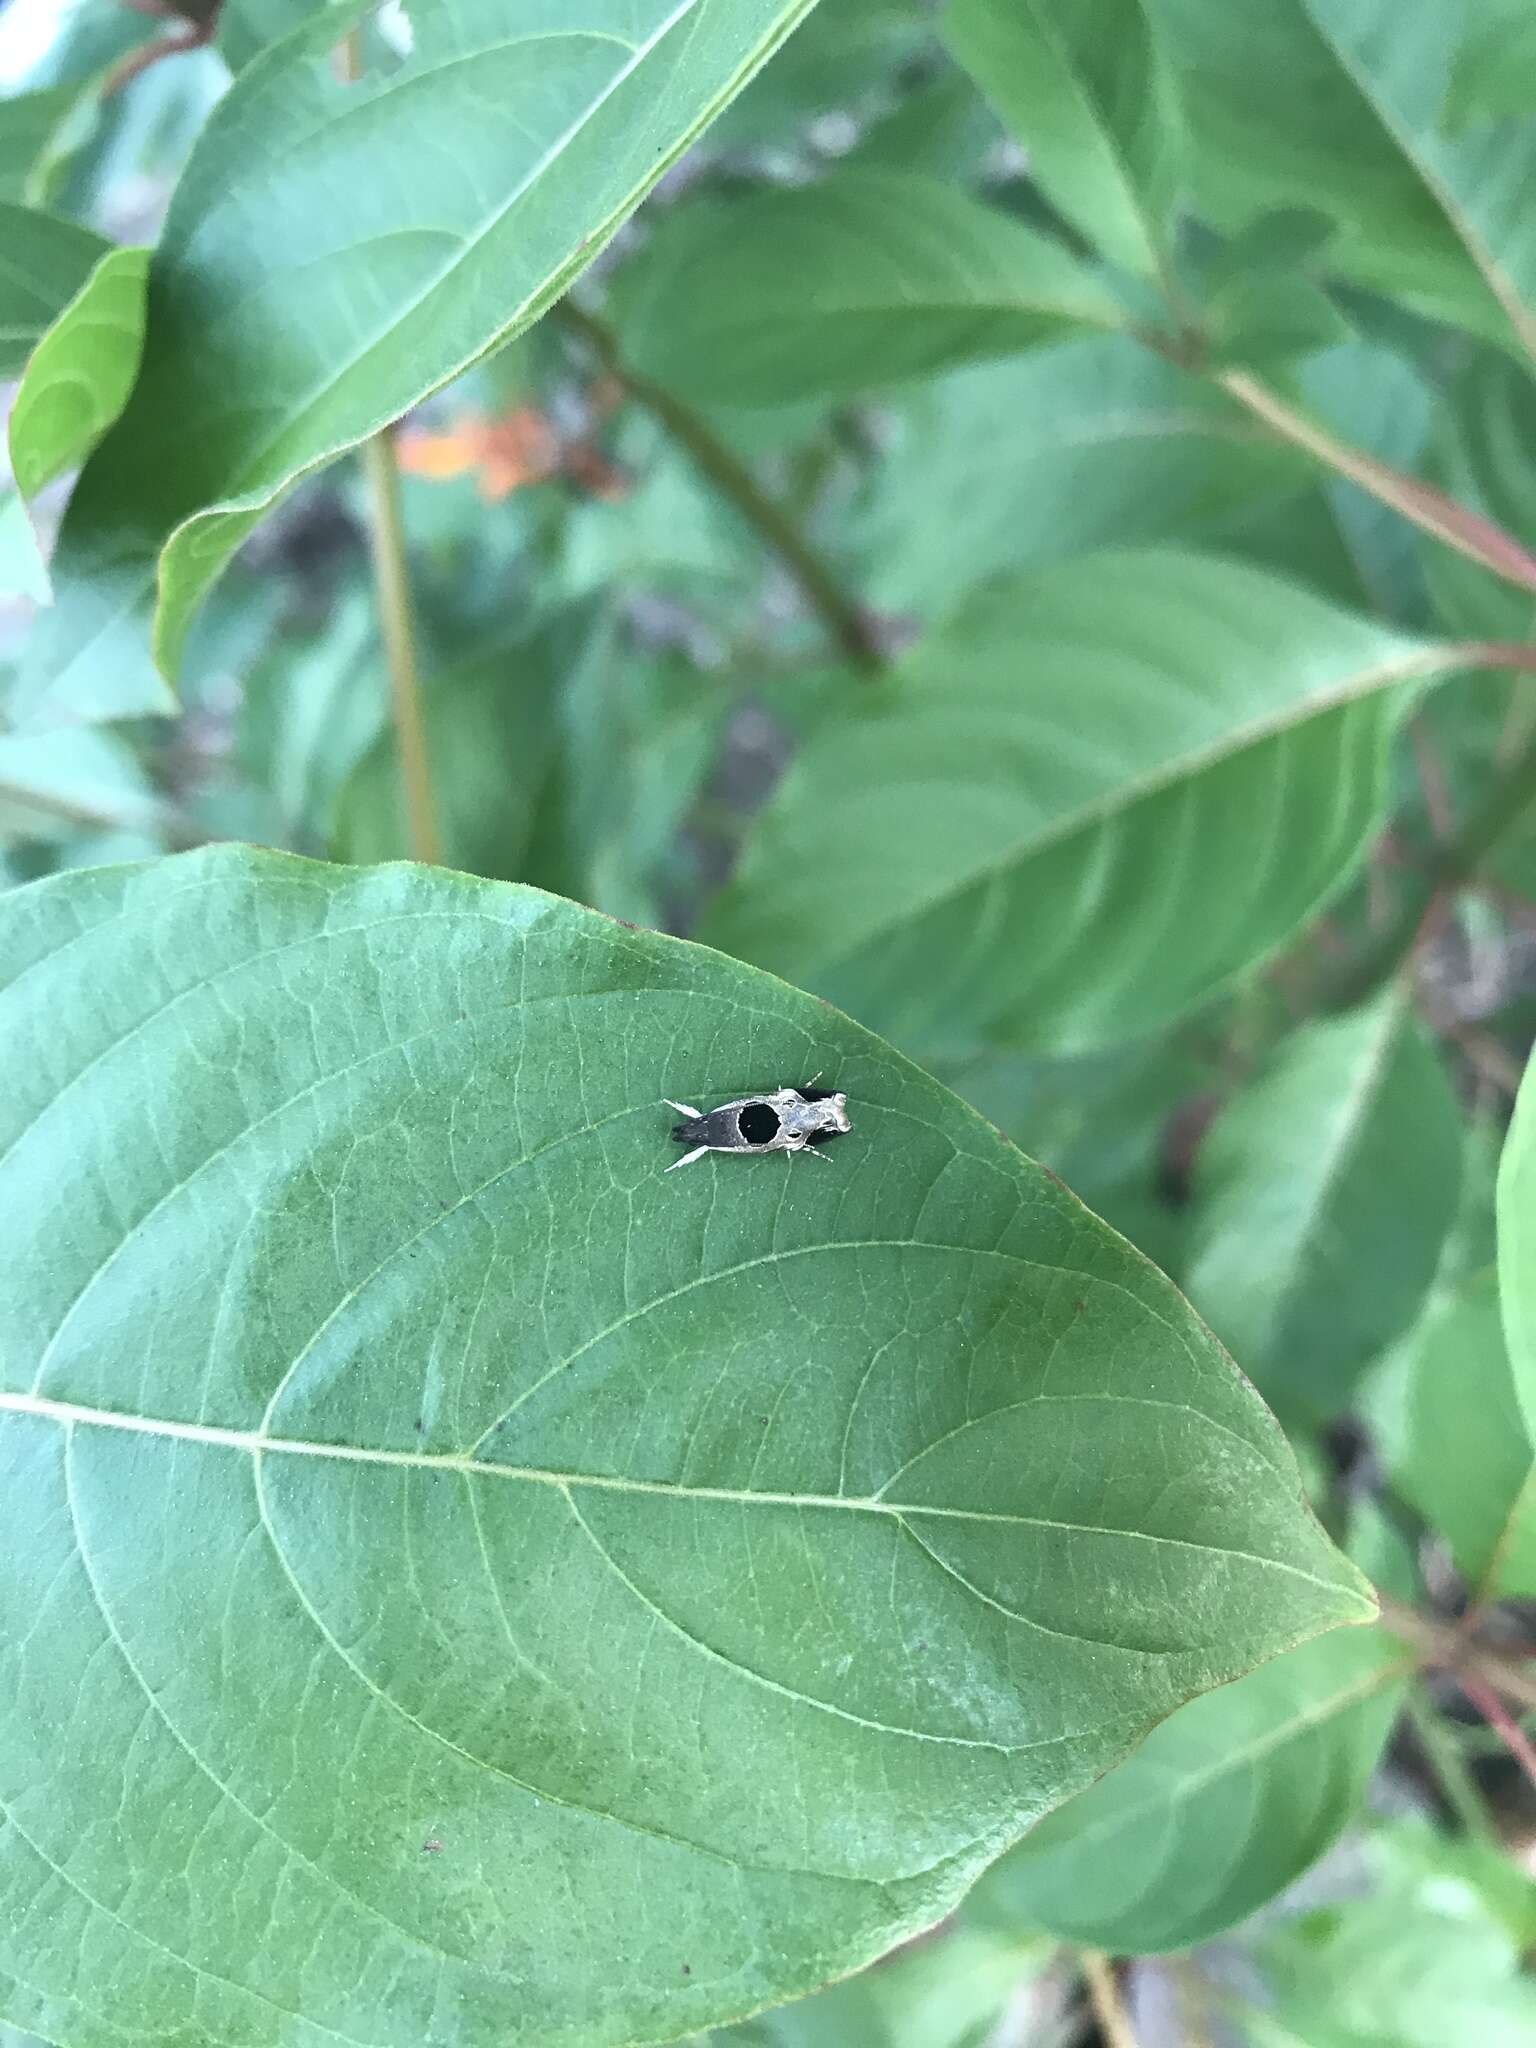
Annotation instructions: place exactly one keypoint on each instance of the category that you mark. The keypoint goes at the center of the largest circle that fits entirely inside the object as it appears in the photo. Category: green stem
(845, 620)
(1455, 862)
(386, 540)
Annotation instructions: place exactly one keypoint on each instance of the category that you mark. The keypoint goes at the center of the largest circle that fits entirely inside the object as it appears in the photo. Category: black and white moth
(782, 1120)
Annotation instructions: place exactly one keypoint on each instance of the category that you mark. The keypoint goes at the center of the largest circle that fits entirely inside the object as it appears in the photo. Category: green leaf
(894, 275)
(1079, 83)
(492, 731)
(844, 54)
(946, 1992)
(1219, 1810)
(1517, 1245)
(80, 373)
(246, 27)
(599, 1602)
(1324, 1193)
(45, 261)
(1103, 1123)
(1417, 1958)
(23, 572)
(55, 782)
(30, 126)
(1026, 835)
(1088, 443)
(310, 713)
(1346, 106)
(1462, 1454)
(303, 296)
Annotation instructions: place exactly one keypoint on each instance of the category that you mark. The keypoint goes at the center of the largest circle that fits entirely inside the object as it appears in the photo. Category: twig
(844, 619)
(386, 541)
(1455, 1650)
(1429, 509)
(1498, 1717)
(1104, 1996)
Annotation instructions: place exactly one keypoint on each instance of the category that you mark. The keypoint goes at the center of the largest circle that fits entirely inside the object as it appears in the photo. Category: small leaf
(1026, 836)
(1462, 1455)
(1219, 1810)
(893, 275)
(477, 1537)
(81, 372)
(1341, 105)
(53, 783)
(1080, 84)
(298, 305)
(1089, 443)
(1324, 1193)
(46, 260)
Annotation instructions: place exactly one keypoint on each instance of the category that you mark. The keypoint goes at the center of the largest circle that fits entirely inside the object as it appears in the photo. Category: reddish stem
(1501, 1721)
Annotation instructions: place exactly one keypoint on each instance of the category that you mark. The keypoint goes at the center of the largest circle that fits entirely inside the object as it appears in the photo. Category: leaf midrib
(1415, 663)
(70, 1414)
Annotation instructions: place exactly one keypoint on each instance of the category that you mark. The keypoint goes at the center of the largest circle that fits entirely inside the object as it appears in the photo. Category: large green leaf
(80, 373)
(948, 1992)
(1517, 1245)
(844, 56)
(44, 260)
(1419, 1957)
(1080, 85)
(30, 127)
(1354, 107)
(890, 275)
(465, 1583)
(1029, 833)
(1460, 1451)
(1324, 1194)
(1089, 443)
(327, 261)
(1218, 1811)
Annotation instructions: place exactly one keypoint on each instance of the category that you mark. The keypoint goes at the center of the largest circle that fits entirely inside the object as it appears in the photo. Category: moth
(782, 1120)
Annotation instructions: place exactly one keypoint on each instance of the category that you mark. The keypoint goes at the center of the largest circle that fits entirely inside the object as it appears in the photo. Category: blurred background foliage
(975, 361)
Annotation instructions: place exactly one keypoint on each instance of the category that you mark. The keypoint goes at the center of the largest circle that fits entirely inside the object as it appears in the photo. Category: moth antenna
(683, 1109)
(697, 1153)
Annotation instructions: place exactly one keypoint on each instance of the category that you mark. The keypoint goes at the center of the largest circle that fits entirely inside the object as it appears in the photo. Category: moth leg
(688, 1157)
(683, 1109)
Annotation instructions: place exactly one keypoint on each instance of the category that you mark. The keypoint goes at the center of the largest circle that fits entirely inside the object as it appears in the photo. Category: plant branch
(1104, 1996)
(845, 620)
(1499, 1718)
(1479, 539)
(1448, 1768)
(1454, 1650)
(386, 540)
(1454, 863)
